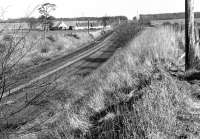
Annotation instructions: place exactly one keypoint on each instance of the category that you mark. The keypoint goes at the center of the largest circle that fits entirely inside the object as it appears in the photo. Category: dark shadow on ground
(94, 62)
(192, 76)
(88, 68)
(99, 60)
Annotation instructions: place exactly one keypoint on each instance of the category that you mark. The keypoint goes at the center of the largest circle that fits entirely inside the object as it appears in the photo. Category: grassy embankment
(132, 95)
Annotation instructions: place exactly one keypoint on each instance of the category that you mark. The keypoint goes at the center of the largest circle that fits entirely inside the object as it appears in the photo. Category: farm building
(59, 25)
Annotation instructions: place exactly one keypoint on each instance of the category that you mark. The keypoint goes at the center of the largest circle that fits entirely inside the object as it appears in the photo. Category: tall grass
(131, 96)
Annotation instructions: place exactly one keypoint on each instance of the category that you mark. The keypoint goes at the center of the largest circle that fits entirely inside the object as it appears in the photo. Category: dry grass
(130, 96)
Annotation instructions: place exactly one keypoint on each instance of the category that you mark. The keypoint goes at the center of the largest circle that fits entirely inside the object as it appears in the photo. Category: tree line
(27, 19)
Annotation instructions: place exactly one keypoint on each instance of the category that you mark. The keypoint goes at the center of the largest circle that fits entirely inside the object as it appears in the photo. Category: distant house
(70, 24)
(63, 26)
(59, 25)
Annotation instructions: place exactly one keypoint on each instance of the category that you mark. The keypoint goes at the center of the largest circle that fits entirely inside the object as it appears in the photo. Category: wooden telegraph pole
(88, 26)
(189, 34)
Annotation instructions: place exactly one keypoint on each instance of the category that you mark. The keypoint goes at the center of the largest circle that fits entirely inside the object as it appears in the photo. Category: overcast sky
(77, 8)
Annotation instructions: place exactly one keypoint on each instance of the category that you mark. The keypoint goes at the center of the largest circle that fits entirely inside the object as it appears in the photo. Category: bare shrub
(12, 51)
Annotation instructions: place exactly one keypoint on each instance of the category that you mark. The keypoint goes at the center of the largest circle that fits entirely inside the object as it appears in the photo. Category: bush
(125, 32)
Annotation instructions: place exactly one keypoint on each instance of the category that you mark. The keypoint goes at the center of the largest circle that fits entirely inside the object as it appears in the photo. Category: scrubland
(133, 95)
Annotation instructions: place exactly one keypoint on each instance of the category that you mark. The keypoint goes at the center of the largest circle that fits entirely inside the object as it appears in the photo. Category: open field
(166, 18)
(172, 21)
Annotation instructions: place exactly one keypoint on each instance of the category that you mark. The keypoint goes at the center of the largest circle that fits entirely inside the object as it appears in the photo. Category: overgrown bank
(130, 96)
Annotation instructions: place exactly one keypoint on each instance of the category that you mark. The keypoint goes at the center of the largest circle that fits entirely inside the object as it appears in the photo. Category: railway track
(39, 72)
(29, 100)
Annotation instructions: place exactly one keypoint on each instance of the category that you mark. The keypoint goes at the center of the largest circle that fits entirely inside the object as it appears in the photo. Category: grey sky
(76, 8)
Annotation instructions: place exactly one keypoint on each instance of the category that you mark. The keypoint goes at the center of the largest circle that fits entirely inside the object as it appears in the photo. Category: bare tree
(45, 11)
(12, 50)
